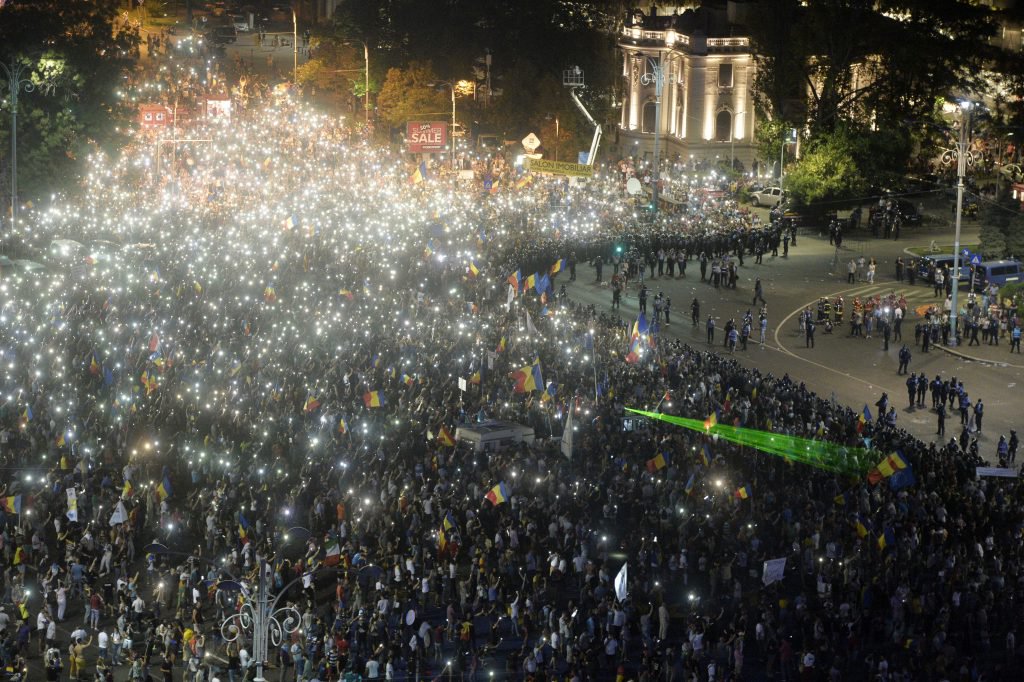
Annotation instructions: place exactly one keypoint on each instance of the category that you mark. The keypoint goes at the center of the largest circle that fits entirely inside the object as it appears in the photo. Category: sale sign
(426, 136)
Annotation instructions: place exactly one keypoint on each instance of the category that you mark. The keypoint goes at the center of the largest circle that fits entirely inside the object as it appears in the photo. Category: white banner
(120, 514)
(72, 504)
(566, 444)
(622, 584)
(998, 472)
(773, 570)
(511, 297)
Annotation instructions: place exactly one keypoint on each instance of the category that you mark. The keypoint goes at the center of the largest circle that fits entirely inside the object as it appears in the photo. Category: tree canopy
(75, 56)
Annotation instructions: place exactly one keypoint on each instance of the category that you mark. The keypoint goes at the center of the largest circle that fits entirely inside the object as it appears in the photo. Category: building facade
(707, 108)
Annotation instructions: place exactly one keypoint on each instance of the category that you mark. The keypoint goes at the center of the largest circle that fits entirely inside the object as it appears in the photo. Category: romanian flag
(502, 345)
(128, 490)
(408, 380)
(474, 378)
(885, 539)
(94, 367)
(26, 414)
(524, 181)
(531, 281)
(61, 441)
(863, 418)
(497, 494)
(516, 280)
(148, 381)
(163, 490)
(11, 504)
(705, 455)
(347, 293)
(444, 437)
(342, 425)
(19, 556)
(886, 468)
(528, 378)
(428, 250)
(712, 421)
(373, 399)
(557, 267)
(269, 294)
(689, 484)
(243, 528)
(474, 269)
(420, 174)
(290, 223)
(311, 404)
(656, 463)
(742, 493)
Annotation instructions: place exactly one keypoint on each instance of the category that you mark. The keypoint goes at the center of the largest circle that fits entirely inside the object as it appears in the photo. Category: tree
(410, 94)
(827, 171)
(887, 62)
(78, 55)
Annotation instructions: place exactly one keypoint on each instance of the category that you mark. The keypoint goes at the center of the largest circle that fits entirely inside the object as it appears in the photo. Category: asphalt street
(855, 371)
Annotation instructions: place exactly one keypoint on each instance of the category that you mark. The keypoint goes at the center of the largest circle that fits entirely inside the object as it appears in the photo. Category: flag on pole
(373, 399)
(163, 489)
(72, 512)
(444, 437)
(742, 493)
(497, 494)
(420, 174)
(656, 463)
(11, 504)
(622, 583)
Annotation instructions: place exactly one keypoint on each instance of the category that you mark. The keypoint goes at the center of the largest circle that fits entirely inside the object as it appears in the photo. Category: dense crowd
(251, 370)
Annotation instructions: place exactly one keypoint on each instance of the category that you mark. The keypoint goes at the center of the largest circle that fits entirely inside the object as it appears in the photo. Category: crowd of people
(250, 373)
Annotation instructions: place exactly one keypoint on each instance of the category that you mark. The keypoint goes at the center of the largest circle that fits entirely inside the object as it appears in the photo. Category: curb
(972, 358)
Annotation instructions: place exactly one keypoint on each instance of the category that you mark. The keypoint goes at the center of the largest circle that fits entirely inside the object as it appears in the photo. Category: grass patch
(943, 248)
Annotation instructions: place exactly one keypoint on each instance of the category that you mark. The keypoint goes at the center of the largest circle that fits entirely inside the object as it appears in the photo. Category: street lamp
(15, 83)
(657, 77)
(963, 157)
(366, 93)
(295, 47)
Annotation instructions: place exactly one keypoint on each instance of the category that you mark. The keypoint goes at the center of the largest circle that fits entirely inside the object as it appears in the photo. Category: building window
(725, 75)
(649, 119)
(723, 126)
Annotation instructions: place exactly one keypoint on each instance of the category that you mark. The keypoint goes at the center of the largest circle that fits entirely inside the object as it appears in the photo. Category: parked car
(942, 262)
(770, 197)
(241, 24)
(223, 35)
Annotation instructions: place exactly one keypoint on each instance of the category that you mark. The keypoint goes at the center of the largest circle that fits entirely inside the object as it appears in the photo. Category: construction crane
(573, 79)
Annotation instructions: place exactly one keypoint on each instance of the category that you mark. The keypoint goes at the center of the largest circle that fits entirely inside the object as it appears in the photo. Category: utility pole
(657, 77)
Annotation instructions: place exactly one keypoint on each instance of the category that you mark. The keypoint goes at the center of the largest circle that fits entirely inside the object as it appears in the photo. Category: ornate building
(707, 109)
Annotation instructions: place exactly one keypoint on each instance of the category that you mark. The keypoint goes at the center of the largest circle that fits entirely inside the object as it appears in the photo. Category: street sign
(965, 253)
(975, 259)
(426, 136)
(531, 142)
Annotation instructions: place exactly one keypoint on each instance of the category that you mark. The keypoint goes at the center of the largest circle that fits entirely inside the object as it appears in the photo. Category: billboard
(577, 170)
(426, 136)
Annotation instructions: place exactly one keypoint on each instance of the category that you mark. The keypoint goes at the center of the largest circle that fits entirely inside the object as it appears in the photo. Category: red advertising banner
(426, 136)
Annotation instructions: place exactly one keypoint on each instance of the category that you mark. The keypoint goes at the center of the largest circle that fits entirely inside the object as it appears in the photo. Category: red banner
(424, 136)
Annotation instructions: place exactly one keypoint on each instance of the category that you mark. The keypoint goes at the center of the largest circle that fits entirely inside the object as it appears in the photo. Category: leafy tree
(410, 94)
(769, 135)
(993, 241)
(77, 55)
(828, 170)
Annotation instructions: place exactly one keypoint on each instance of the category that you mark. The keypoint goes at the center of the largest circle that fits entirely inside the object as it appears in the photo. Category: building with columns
(707, 108)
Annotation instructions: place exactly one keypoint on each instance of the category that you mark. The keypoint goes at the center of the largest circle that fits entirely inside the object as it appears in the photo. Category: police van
(998, 272)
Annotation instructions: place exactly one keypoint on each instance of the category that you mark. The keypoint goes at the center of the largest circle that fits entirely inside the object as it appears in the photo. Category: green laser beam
(820, 454)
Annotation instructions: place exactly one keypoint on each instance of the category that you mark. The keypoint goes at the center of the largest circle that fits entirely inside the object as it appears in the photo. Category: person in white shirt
(372, 669)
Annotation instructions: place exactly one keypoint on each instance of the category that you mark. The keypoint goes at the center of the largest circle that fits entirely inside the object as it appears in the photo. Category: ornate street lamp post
(15, 82)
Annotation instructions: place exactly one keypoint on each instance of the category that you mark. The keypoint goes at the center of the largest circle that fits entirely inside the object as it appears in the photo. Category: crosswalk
(919, 297)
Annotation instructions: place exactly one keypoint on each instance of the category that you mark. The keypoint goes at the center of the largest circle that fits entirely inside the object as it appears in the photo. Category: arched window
(649, 120)
(723, 126)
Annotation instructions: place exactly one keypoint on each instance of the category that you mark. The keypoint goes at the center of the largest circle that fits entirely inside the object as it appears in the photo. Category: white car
(769, 196)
